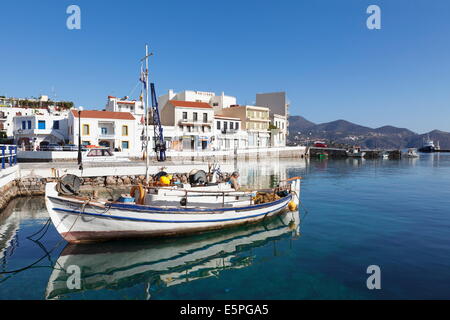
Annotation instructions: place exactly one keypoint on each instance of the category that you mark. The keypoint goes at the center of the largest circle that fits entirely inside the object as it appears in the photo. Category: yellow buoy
(292, 206)
(164, 180)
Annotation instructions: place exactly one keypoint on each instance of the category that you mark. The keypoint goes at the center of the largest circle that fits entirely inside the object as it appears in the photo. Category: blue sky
(320, 52)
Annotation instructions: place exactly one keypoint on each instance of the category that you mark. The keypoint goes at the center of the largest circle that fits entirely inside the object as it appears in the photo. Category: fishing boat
(385, 156)
(156, 264)
(411, 153)
(356, 153)
(83, 219)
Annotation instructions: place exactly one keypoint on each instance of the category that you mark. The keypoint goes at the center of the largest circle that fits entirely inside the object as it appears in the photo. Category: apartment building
(278, 103)
(135, 107)
(228, 133)
(115, 130)
(255, 120)
(218, 102)
(278, 130)
(33, 131)
(192, 122)
(12, 107)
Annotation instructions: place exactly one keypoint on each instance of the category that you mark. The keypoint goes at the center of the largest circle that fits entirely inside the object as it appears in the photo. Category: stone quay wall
(35, 186)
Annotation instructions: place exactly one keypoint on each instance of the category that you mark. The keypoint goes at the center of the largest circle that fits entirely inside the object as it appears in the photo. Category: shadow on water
(161, 264)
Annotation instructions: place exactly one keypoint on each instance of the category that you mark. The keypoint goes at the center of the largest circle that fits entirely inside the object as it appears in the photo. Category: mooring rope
(52, 249)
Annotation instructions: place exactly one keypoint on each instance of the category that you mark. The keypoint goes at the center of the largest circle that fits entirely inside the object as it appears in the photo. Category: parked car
(70, 147)
(319, 144)
(101, 154)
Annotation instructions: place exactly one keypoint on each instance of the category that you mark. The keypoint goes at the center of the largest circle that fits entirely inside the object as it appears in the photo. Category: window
(237, 125)
(104, 130)
(215, 104)
(125, 131)
(195, 116)
(218, 125)
(124, 145)
(85, 129)
(24, 125)
(231, 125)
(56, 124)
(29, 124)
(225, 125)
(41, 124)
(184, 115)
(205, 117)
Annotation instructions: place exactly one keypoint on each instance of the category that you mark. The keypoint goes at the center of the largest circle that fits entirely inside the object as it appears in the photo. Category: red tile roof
(190, 104)
(103, 114)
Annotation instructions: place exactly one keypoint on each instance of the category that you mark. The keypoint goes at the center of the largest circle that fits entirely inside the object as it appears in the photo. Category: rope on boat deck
(47, 254)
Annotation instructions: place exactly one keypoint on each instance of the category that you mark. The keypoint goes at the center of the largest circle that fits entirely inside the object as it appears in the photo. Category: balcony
(228, 131)
(107, 135)
(190, 121)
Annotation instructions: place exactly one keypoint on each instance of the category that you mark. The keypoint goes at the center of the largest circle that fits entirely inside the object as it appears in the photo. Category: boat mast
(145, 80)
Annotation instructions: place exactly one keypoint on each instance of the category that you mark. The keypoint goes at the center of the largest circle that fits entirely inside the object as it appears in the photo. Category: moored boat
(83, 219)
(428, 145)
(411, 153)
(356, 153)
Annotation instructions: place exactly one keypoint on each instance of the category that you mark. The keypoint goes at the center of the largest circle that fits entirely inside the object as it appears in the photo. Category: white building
(217, 102)
(134, 107)
(278, 130)
(116, 130)
(31, 131)
(12, 107)
(192, 122)
(228, 133)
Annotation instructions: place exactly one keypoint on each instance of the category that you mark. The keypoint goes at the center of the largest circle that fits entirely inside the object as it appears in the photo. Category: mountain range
(344, 132)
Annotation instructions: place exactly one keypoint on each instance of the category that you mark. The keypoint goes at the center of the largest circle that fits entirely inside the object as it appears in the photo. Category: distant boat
(356, 153)
(437, 147)
(428, 145)
(411, 153)
(385, 156)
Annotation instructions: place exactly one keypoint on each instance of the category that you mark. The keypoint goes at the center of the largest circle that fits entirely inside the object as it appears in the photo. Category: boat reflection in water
(164, 263)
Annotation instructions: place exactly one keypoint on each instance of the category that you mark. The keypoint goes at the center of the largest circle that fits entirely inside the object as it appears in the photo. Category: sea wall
(70, 156)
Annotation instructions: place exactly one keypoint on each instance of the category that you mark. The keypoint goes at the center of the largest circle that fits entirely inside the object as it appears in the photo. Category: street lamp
(79, 138)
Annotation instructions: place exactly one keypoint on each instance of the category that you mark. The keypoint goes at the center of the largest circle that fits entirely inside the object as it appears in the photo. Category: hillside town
(191, 120)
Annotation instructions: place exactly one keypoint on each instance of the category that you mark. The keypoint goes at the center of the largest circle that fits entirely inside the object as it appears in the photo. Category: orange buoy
(139, 199)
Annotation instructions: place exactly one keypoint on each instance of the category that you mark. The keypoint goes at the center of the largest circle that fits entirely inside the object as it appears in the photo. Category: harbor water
(394, 214)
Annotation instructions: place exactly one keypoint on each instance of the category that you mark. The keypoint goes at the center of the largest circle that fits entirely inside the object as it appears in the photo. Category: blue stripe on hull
(162, 221)
(143, 208)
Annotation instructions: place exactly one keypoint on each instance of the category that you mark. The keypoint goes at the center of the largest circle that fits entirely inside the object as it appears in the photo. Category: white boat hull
(80, 221)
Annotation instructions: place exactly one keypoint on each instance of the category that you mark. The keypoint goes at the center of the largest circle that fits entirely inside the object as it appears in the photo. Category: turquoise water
(394, 214)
